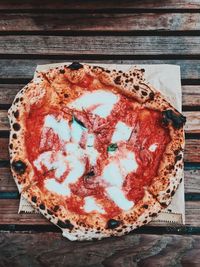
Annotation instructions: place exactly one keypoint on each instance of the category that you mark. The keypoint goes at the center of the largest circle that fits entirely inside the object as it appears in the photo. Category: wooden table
(113, 32)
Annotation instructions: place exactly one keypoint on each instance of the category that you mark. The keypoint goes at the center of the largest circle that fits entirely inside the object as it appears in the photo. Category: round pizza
(98, 152)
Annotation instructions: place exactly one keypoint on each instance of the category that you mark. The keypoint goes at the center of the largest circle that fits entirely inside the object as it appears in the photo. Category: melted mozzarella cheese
(61, 128)
(76, 132)
(91, 205)
(122, 132)
(128, 163)
(45, 159)
(90, 151)
(115, 172)
(117, 195)
(153, 147)
(112, 175)
(55, 187)
(100, 102)
(77, 168)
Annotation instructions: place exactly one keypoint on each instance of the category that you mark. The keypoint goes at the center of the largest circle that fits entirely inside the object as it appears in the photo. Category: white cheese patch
(122, 132)
(77, 168)
(55, 187)
(112, 175)
(91, 205)
(90, 151)
(128, 163)
(61, 128)
(99, 102)
(117, 195)
(153, 147)
(45, 159)
(76, 131)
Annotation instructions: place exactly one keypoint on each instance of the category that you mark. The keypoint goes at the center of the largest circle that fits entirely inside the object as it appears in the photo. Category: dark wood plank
(9, 214)
(99, 22)
(193, 121)
(192, 149)
(24, 68)
(191, 94)
(192, 124)
(49, 249)
(98, 4)
(192, 181)
(99, 45)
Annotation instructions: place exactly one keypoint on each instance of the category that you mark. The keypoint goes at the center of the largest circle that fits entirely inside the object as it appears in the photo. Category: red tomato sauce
(147, 130)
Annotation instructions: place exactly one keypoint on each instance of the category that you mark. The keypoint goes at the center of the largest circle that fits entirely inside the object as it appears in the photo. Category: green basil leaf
(112, 147)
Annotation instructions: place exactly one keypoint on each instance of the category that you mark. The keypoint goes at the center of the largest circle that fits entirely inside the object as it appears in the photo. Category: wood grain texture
(192, 181)
(53, 22)
(192, 124)
(24, 68)
(9, 214)
(99, 45)
(191, 94)
(193, 121)
(111, 5)
(49, 249)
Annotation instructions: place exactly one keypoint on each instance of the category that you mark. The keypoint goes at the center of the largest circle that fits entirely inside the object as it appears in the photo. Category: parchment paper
(166, 79)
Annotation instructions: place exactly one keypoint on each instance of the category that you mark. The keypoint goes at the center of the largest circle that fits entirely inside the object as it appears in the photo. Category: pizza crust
(53, 85)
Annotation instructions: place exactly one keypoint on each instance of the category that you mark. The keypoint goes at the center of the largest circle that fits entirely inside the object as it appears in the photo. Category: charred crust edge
(75, 66)
(19, 166)
(66, 224)
(112, 224)
(177, 119)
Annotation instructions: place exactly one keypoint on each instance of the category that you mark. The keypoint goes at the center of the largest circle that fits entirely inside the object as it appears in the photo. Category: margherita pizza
(98, 152)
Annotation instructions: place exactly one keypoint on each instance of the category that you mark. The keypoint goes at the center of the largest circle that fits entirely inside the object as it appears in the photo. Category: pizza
(98, 152)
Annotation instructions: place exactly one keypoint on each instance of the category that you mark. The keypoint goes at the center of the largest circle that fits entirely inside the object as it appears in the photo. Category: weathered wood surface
(24, 68)
(99, 45)
(9, 214)
(192, 181)
(192, 124)
(112, 5)
(192, 150)
(49, 249)
(191, 94)
(99, 22)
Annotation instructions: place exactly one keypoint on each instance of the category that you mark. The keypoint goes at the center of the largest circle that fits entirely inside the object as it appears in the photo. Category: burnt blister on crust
(16, 126)
(177, 119)
(19, 166)
(75, 66)
(34, 199)
(112, 224)
(66, 224)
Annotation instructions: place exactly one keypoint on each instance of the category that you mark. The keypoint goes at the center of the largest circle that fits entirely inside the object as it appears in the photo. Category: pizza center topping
(101, 156)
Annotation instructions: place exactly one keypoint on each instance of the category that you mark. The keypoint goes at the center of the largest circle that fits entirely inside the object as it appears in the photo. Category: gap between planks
(111, 5)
